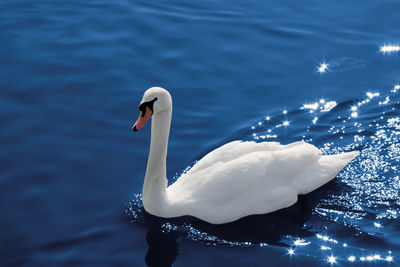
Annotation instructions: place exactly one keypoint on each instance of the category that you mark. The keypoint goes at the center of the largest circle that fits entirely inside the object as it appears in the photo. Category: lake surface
(72, 74)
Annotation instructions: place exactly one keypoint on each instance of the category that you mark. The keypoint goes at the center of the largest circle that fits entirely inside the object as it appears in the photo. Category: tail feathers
(326, 169)
(338, 160)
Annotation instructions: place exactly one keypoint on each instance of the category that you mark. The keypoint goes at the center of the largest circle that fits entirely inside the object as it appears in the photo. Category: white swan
(235, 180)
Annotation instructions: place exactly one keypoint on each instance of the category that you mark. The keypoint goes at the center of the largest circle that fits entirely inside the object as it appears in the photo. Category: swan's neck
(155, 182)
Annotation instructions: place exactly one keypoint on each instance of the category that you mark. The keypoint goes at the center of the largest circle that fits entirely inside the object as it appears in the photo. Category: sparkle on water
(351, 258)
(331, 259)
(322, 67)
(390, 48)
(367, 194)
(301, 242)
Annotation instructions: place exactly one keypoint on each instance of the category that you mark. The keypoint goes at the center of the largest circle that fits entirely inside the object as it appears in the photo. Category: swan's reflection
(163, 247)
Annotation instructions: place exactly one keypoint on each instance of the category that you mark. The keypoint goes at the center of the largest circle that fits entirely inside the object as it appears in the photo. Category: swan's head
(155, 100)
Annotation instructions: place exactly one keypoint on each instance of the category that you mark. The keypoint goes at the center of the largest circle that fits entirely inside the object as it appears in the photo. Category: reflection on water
(356, 207)
(390, 48)
(163, 248)
(322, 67)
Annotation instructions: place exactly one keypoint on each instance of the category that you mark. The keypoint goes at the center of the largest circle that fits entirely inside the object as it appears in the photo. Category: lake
(73, 74)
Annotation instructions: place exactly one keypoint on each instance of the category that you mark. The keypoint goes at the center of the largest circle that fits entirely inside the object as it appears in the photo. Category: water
(73, 73)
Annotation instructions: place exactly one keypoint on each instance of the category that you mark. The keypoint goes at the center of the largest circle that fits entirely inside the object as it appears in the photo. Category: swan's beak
(143, 118)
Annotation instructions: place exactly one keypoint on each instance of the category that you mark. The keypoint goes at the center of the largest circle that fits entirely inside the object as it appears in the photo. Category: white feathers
(245, 178)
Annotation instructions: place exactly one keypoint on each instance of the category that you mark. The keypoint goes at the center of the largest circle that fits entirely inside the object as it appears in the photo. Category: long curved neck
(155, 182)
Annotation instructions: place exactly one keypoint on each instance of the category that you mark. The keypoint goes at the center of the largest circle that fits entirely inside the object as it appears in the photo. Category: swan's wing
(232, 151)
(219, 183)
(225, 180)
(252, 183)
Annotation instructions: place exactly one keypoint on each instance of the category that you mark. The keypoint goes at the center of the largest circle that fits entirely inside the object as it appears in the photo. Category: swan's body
(233, 181)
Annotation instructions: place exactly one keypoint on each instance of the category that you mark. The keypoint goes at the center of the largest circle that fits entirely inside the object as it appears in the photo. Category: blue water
(72, 74)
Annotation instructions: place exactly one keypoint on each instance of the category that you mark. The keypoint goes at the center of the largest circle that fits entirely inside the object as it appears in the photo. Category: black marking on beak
(148, 104)
(134, 128)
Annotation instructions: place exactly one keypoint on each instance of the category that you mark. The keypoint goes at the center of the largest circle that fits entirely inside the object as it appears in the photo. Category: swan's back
(231, 151)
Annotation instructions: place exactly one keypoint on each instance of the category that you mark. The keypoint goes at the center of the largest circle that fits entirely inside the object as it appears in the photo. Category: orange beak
(143, 118)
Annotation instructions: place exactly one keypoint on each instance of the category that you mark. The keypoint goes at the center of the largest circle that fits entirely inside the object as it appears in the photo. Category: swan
(233, 181)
